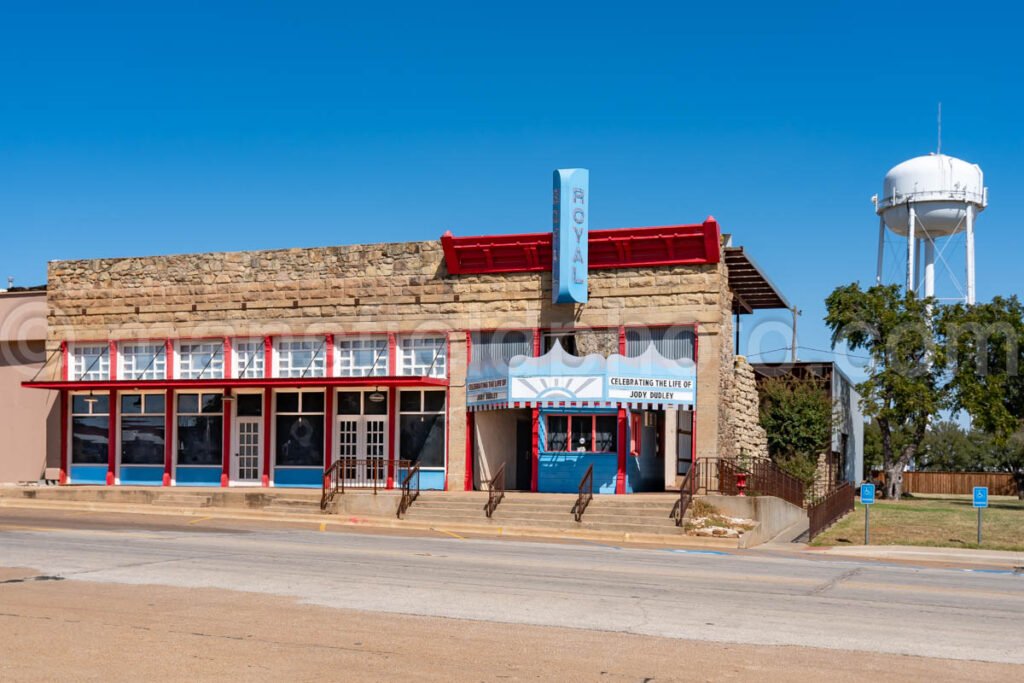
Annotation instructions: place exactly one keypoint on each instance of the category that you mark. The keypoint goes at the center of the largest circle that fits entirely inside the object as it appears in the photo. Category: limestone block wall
(746, 435)
(402, 288)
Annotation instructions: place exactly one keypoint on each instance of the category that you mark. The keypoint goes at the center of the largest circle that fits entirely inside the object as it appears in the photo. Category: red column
(392, 441)
(328, 427)
(169, 358)
(392, 354)
(622, 340)
(225, 473)
(64, 358)
(267, 399)
(112, 439)
(693, 414)
(469, 451)
(535, 447)
(64, 419)
(168, 433)
(268, 356)
(620, 478)
(113, 360)
(329, 360)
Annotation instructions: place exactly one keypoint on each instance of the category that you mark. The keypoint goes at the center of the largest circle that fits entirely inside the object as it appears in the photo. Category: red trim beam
(255, 383)
(669, 245)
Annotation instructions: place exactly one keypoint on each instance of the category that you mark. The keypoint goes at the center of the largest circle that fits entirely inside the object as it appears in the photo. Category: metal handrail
(585, 495)
(333, 484)
(495, 491)
(829, 509)
(408, 494)
(350, 472)
(687, 490)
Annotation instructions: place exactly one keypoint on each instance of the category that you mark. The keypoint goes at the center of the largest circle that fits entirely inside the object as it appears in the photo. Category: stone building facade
(108, 317)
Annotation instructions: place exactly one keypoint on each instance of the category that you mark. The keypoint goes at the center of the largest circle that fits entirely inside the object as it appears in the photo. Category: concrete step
(182, 500)
(540, 503)
(294, 505)
(567, 524)
(543, 514)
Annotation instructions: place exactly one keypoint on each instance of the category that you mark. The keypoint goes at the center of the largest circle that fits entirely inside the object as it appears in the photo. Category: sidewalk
(239, 505)
(950, 556)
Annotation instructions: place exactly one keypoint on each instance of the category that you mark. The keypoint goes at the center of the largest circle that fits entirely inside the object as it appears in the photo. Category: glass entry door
(247, 455)
(363, 438)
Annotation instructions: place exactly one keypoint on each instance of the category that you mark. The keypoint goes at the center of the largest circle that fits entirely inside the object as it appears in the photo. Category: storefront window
(200, 429)
(90, 424)
(248, 357)
(143, 361)
(423, 356)
(583, 433)
(674, 342)
(362, 357)
(90, 363)
(301, 358)
(142, 429)
(201, 361)
(300, 429)
(422, 427)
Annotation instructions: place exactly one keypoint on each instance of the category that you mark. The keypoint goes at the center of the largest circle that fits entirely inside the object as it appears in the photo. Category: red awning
(669, 245)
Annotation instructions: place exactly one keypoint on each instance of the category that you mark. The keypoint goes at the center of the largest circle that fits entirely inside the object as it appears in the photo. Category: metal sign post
(980, 502)
(867, 499)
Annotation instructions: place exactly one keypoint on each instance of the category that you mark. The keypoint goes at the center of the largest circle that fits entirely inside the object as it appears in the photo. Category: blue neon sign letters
(569, 244)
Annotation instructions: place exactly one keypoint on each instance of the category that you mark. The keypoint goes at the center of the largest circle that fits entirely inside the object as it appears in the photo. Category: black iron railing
(687, 490)
(829, 509)
(409, 492)
(495, 491)
(586, 494)
(367, 474)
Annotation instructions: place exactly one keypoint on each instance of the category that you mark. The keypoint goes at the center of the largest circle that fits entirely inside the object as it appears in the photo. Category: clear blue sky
(127, 128)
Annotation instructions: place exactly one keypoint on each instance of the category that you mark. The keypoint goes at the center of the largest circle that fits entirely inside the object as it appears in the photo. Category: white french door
(247, 462)
(363, 442)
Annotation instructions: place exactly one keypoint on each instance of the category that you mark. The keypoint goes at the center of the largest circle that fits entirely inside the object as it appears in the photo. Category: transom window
(672, 342)
(90, 363)
(142, 429)
(143, 361)
(301, 358)
(200, 429)
(421, 427)
(299, 428)
(362, 357)
(249, 355)
(423, 356)
(202, 360)
(582, 433)
(90, 425)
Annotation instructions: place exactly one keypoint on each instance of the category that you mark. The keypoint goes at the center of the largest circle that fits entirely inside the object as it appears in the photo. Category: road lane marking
(323, 526)
(449, 533)
(197, 521)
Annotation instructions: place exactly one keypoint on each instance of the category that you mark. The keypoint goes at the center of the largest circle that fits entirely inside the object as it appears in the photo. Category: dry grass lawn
(940, 522)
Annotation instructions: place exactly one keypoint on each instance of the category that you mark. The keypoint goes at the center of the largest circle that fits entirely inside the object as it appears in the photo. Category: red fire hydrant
(741, 483)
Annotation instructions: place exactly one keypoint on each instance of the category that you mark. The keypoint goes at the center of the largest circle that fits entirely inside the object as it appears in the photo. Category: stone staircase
(633, 514)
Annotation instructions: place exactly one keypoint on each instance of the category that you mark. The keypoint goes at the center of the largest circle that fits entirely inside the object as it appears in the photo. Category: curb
(380, 523)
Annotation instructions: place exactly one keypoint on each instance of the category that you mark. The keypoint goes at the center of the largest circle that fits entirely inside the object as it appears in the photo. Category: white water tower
(928, 200)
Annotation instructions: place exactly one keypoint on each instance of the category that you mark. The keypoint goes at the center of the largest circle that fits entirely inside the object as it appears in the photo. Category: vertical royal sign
(569, 244)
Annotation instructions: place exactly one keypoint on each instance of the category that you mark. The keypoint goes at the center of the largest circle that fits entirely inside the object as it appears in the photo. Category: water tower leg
(970, 255)
(911, 247)
(881, 249)
(929, 267)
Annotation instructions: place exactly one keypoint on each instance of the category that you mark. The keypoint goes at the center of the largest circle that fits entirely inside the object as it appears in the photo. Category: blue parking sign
(981, 496)
(867, 494)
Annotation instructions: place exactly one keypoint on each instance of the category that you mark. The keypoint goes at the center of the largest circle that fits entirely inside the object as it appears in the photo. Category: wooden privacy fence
(963, 483)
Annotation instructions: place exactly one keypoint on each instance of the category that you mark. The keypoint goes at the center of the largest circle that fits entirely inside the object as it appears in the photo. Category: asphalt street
(748, 597)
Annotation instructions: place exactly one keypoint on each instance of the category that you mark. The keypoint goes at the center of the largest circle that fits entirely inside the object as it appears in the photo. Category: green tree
(982, 349)
(797, 417)
(905, 387)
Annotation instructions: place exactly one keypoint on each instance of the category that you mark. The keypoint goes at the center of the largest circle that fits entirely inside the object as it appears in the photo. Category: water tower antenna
(939, 150)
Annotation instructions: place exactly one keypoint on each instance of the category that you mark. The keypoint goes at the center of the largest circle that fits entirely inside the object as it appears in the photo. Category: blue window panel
(561, 472)
(299, 477)
(197, 476)
(141, 475)
(430, 480)
(88, 474)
